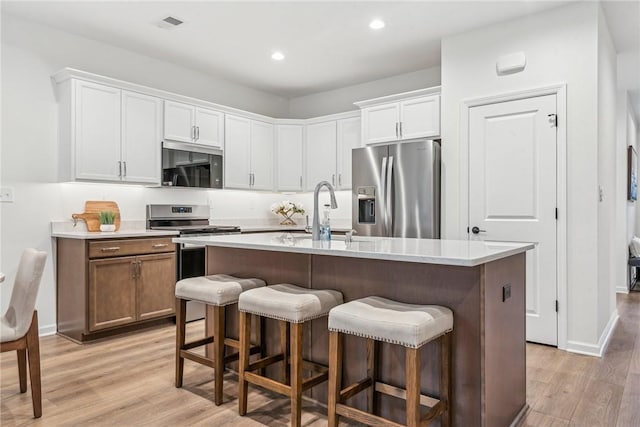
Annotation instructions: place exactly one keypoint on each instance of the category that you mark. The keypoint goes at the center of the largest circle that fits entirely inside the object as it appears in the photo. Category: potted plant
(107, 221)
(287, 209)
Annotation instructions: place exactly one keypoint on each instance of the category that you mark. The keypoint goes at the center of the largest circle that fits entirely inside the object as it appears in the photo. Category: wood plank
(629, 415)
(599, 405)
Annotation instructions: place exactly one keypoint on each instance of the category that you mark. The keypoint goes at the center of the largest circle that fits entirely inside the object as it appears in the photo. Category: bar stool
(217, 291)
(292, 306)
(412, 326)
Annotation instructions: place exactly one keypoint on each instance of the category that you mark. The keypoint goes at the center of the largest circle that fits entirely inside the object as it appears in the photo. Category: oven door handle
(188, 246)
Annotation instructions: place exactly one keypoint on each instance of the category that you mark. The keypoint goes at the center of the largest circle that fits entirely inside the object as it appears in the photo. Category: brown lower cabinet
(109, 286)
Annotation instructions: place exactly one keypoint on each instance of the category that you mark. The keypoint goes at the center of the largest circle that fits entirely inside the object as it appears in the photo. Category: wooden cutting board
(91, 215)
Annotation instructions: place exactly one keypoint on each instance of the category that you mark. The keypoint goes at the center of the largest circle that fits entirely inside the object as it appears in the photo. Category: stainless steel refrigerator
(396, 190)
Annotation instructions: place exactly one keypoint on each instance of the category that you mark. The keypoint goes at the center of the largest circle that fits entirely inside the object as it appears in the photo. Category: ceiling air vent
(169, 22)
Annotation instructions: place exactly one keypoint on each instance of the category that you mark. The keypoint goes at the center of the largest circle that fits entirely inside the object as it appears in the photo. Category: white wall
(610, 242)
(339, 100)
(561, 45)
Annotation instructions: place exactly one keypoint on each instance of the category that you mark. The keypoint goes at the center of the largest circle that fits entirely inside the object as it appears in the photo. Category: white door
(97, 132)
(179, 121)
(262, 155)
(141, 137)
(320, 154)
(289, 158)
(420, 117)
(348, 139)
(381, 123)
(209, 127)
(237, 148)
(512, 195)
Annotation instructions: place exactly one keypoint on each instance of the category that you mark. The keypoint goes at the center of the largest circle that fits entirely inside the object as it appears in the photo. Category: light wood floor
(125, 382)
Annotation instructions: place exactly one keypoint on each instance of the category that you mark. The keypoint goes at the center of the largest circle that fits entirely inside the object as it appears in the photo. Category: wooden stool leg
(413, 386)
(296, 374)
(22, 369)
(259, 333)
(245, 334)
(445, 378)
(335, 376)
(284, 348)
(372, 372)
(181, 319)
(33, 352)
(218, 350)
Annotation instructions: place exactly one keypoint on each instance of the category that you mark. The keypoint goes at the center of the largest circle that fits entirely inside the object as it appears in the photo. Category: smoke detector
(169, 22)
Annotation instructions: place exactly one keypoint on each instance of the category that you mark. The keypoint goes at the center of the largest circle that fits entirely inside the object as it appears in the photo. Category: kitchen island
(482, 282)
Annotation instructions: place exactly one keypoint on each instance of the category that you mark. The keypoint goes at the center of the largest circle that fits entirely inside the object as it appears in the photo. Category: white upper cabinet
(248, 154)
(188, 123)
(115, 136)
(289, 157)
(403, 116)
(262, 139)
(141, 137)
(96, 135)
(320, 154)
(348, 131)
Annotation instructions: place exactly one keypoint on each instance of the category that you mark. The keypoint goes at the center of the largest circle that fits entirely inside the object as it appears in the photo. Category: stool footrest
(354, 389)
(231, 342)
(197, 343)
(267, 383)
(197, 358)
(264, 362)
(390, 390)
(364, 417)
(434, 411)
(314, 367)
(314, 380)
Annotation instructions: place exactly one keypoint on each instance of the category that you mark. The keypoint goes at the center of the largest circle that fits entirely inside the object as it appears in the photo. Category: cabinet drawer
(111, 248)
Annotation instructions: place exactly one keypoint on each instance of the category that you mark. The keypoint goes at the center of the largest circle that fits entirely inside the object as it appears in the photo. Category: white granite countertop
(429, 251)
(293, 228)
(66, 229)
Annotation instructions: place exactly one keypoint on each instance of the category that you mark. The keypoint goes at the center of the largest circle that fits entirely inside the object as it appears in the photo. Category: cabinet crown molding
(399, 97)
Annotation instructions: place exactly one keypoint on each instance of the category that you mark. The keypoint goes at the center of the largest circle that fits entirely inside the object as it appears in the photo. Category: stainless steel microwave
(191, 165)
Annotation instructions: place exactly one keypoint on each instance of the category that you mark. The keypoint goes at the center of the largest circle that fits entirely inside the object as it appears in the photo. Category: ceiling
(327, 44)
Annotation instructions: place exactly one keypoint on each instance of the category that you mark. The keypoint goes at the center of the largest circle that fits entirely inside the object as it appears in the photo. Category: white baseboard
(46, 330)
(596, 349)
(622, 290)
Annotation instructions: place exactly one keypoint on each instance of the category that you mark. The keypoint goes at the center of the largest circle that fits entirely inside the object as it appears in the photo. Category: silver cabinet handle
(134, 269)
(300, 181)
(125, 169)
(193, 132)
(197, 133)
(340, 180)
(333, 179)
(120, 169)
(400, 130)
(160, 245)
(110, 249)
(397, 130)
(139, 267)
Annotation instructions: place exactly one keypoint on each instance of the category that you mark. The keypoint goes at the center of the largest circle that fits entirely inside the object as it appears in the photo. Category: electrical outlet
(506, 292)
(6, 195)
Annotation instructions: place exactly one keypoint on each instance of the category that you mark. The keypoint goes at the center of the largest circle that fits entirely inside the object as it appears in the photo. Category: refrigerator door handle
(389, 197)
(383, 189)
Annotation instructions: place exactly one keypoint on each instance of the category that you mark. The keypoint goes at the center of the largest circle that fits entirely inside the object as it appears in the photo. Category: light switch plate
(6, 195)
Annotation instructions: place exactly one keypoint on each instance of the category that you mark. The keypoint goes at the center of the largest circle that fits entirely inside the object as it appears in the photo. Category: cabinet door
(289, 157)
(209, 127)
(380, 123)
(236, 151)
(262, 155)
(97, 132)
(156, 285)
(320, 154)
(141, 137)
(112, 292)
(420, 117)
(348, 139)
(179, 121)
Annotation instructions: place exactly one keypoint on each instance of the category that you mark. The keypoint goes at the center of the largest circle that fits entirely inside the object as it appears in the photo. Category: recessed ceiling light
(376, 24)
(277, 56)
(170, 22)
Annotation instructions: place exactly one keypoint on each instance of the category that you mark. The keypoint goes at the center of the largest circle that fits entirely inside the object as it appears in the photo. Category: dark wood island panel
(489, 376)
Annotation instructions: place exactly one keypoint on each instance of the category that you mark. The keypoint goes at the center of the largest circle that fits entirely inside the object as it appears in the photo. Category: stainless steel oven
(188, 220)
(191, 165)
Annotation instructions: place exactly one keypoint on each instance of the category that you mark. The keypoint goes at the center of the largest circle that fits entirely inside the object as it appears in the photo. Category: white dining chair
(19, 324)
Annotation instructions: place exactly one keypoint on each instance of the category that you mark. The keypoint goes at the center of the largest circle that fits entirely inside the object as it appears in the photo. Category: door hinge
(553, 119)
(556, 306)
(556, 213)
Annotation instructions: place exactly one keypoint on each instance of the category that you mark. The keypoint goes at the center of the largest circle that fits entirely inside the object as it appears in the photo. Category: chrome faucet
(316, 217)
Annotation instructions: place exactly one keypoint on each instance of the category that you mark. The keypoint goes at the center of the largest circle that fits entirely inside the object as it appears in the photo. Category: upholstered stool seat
(289, 302)
(218, 291)
(409, 325)
(390, 321)
(292, 306)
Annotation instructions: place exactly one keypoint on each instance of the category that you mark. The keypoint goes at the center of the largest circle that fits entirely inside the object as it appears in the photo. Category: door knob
(476, 230)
